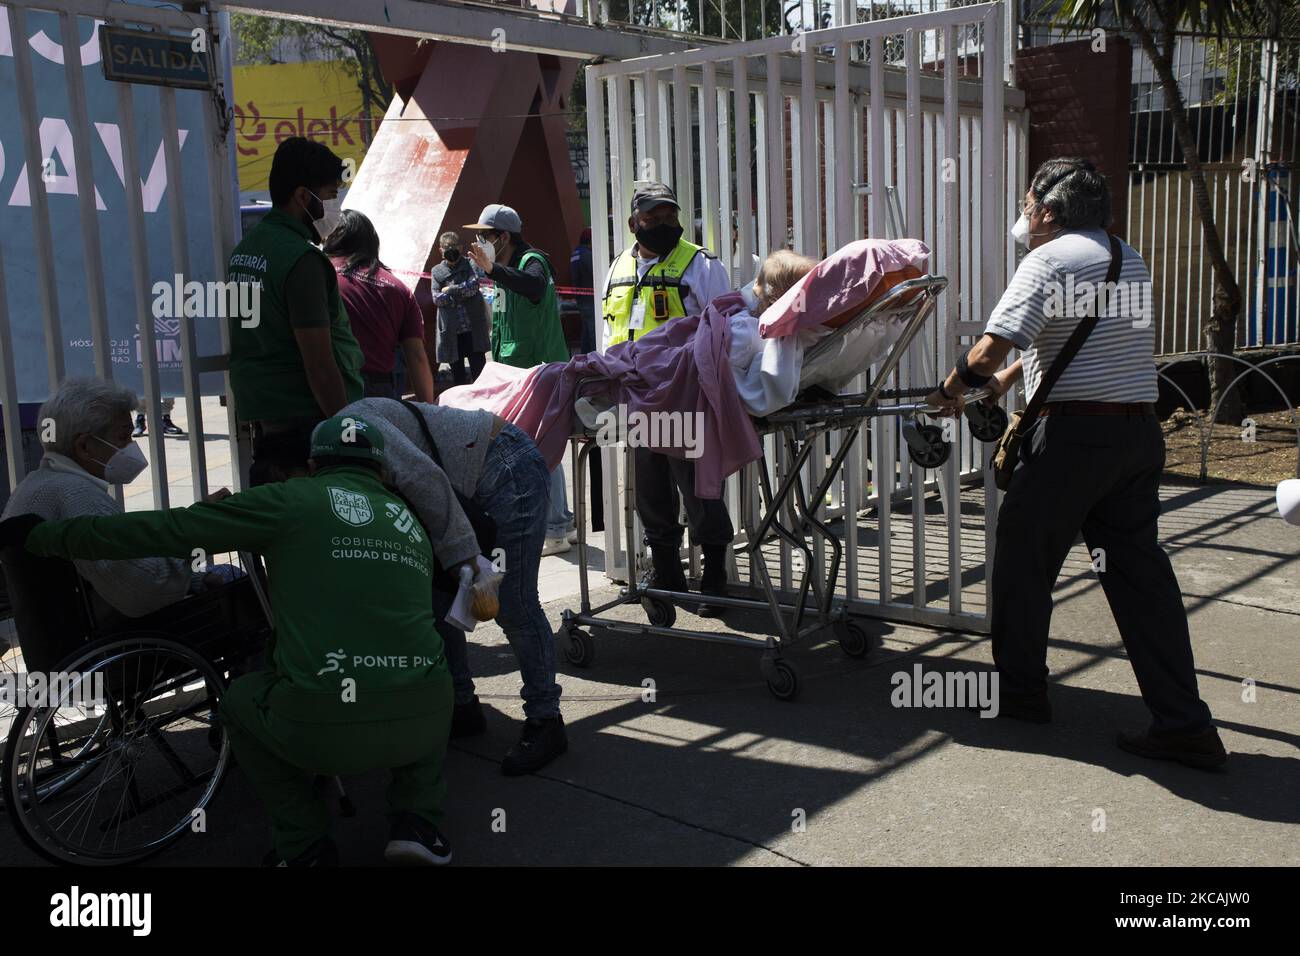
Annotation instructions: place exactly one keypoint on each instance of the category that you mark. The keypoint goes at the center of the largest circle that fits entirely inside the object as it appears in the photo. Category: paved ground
(716, 771)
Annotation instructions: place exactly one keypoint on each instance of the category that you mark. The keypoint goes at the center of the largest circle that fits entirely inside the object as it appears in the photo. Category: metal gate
(88, 229)
(801, 141)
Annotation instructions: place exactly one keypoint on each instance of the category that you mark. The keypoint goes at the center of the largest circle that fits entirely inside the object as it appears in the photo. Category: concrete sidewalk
(716, 771)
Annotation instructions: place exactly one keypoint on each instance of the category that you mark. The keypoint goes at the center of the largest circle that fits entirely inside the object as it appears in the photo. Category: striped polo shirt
(1055, 286)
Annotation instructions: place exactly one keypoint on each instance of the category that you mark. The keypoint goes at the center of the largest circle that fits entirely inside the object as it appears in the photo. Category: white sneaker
(558, 545)
(573, 536)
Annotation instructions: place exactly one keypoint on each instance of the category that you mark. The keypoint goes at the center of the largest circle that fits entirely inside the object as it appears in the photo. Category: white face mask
(489, 250)
(751, 299)
(125, 464)
(1020, 231)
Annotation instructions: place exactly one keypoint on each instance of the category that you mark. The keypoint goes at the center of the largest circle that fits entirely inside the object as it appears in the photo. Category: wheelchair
(126, 752)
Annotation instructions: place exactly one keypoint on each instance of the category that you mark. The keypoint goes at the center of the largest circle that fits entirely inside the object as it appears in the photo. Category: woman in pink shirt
(383, 312)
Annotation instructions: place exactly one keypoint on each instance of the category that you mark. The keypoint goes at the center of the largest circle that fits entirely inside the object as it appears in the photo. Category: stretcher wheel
(853, 638)
(936, 450)
(581, 649)
(782, 681)
(660, 613)
(987, 422)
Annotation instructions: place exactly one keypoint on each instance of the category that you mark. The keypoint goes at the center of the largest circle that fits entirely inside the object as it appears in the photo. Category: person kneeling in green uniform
(358, 680)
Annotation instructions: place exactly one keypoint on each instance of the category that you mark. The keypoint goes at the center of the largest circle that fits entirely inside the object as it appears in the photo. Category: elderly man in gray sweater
(86, 433)
(492, 462)
(85, 429)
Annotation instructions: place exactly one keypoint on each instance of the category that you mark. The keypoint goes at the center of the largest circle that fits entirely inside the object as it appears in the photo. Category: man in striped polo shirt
(1091, 462)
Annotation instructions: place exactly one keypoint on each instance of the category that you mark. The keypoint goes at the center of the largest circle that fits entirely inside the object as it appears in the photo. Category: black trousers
(1099, 474)
(465, 351)
(659, 479)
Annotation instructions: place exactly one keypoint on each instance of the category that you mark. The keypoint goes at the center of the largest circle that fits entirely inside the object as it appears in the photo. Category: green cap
(347, 436)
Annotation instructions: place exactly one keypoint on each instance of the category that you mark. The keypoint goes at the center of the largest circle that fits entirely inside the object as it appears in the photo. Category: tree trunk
(1220, 334)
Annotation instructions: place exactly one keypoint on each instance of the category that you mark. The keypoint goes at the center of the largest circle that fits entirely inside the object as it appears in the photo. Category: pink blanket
(682, 366)
(842, 281)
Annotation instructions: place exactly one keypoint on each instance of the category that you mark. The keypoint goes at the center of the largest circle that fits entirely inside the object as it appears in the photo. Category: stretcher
(881, 332)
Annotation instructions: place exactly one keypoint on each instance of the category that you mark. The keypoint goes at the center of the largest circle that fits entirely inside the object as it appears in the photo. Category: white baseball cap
(1288, 500)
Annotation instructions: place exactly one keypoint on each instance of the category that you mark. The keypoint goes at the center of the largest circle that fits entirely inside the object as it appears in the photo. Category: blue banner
(17, 230)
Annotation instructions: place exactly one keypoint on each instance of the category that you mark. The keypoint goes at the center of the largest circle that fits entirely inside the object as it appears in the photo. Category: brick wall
(1078, 103)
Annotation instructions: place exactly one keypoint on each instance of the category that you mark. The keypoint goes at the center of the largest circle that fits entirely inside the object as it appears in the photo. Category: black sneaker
(414, 841)
(169, 427)
(540, 743)
(1031, 708)
(467, 719)
(321, 853)
(1201, 749)
(139, 429)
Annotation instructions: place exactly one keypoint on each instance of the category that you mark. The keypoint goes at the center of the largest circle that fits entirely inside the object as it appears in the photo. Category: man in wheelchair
(85, 430)
(358, 680)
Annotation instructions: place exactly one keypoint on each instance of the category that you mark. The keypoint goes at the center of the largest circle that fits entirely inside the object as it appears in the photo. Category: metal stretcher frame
(801, 425)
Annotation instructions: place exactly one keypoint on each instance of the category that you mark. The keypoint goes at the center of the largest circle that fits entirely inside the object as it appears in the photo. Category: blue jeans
(559, 519)
(513, 490)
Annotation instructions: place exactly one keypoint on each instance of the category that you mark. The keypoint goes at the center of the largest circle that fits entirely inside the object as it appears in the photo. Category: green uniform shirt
(524, 334)
(266, 371)
(350, 583)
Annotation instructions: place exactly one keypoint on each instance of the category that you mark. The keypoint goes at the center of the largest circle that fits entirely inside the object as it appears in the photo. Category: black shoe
(1031, 708)
(666, 570)
(540, 743)
(713, 580)
(169, 427)
(139, 429)
(467, 720)
(1202, 749)
(414, 841)
(321, 853)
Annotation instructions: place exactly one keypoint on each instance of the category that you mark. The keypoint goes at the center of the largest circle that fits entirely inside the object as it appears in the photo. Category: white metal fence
(802, 141)
(76, 232)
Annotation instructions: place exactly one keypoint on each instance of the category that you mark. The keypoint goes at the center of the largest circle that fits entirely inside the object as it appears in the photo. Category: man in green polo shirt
(295, 360)
(526, 329)
(358, 679)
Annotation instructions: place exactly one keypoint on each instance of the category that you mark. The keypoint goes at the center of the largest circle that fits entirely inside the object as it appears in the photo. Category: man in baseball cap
(661, 277)
(347, 436)
(526, 329)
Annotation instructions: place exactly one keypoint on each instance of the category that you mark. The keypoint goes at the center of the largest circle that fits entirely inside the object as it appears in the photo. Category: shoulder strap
(1073, 344)
(424, 428)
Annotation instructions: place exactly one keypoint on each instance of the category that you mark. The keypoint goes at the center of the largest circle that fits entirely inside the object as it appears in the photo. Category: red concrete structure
(469, 126)
(1078, 101)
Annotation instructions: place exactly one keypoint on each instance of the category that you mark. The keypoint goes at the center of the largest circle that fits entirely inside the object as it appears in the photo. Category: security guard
(358, 678)
(662, 277)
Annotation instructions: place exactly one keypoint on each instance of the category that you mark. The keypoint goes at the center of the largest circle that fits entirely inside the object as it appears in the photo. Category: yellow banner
(276, 101)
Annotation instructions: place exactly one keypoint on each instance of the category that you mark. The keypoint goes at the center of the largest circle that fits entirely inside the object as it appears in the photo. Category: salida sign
(137, 56)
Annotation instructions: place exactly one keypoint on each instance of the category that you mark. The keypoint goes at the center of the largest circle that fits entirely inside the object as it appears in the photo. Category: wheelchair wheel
(987, 422)
(936, 450)
(581, 649)
(125, 758)
(658, 612)
(853, 638)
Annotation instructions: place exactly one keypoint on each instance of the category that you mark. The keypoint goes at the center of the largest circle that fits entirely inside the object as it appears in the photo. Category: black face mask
(451, 255)
(661, 239)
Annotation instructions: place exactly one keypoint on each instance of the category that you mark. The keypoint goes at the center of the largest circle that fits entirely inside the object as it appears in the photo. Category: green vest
(625, 290)
(524, 334)
(267, 376)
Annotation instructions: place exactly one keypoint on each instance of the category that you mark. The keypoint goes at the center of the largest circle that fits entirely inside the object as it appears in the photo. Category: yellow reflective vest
(660, 290)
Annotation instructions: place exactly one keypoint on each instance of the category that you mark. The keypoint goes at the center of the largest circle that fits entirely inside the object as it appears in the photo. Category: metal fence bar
(140, 280)
(33, 150)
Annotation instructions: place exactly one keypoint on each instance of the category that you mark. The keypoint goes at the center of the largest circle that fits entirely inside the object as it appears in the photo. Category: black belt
(1098, 408)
